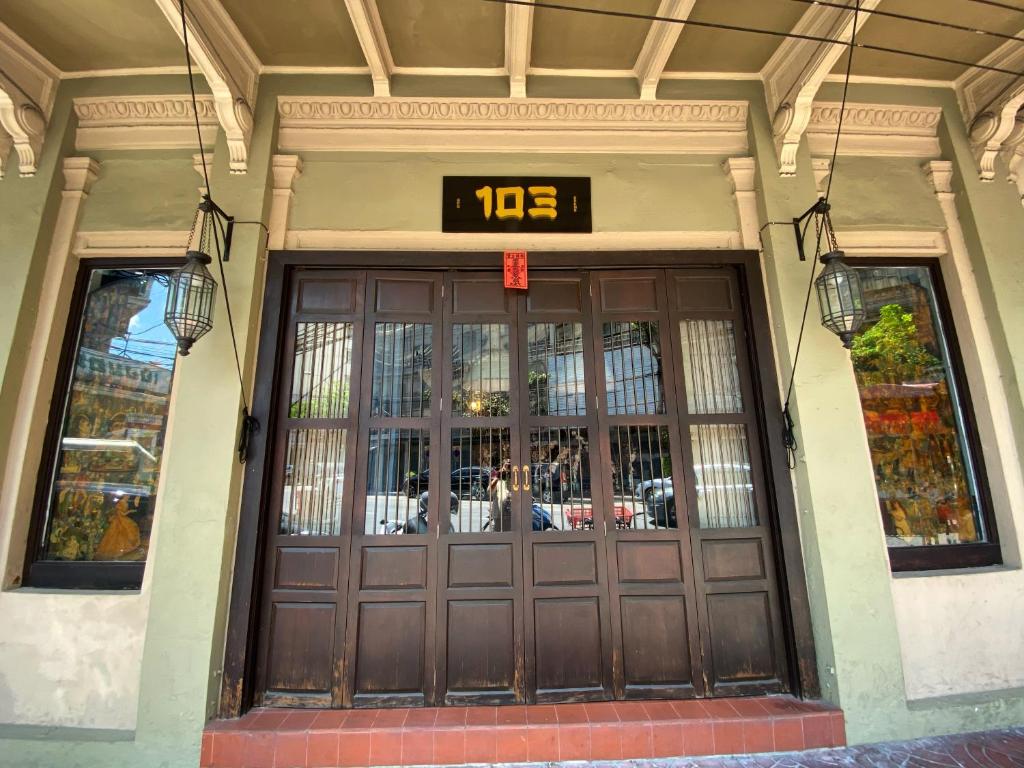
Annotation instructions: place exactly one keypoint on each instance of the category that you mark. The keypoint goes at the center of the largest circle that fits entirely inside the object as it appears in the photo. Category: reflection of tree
(468, 402)
(331, 400)
(889, 352)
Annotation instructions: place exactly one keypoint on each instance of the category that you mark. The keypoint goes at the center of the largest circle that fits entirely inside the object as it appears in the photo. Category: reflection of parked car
(550, 482)
(659, 501)
(647, 487)
(466, 482)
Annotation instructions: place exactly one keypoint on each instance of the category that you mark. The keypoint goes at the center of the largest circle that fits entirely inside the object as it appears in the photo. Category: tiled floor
(991, 749)
(280, 738)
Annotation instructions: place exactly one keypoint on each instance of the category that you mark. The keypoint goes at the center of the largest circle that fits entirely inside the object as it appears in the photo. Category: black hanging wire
(823, 225)
(762, 31)
(250, 424)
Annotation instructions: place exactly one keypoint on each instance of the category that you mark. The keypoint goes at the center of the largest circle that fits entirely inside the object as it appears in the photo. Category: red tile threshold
(621, 730)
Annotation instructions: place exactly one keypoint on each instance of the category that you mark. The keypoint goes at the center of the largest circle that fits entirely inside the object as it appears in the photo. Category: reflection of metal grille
(642, 476)
(632, 368)
(321, 371)
(560, 478)
(480, 369)
(401, 369)
(475, 451)
(555, 375)
(397, 474)
(313, 483)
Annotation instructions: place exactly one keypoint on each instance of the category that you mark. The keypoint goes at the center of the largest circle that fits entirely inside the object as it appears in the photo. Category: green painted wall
(849, 581)
(403, 191)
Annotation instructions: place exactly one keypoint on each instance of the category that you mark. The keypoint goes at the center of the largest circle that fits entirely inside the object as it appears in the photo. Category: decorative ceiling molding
(370, 31)
(797, 69)
(518, 42)
(28, 85)
(878, 130)
(312, 123)
(229, 65)
(989, 102)
(661, 39)
(143, 122)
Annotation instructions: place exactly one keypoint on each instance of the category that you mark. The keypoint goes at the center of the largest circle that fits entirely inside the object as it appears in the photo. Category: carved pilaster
(518, 43)
(286, 169)
(740, 171)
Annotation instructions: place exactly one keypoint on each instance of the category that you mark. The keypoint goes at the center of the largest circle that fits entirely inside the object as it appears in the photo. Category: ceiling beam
(518, 42)
(28, 84)
(228, 64)
(795, 72)
(658, 46)
(370, 31)
(989, 102)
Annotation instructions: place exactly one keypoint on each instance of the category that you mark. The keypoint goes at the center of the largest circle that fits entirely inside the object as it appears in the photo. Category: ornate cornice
(501, 125)
(798, 67)
(143, 122)
(875, 129)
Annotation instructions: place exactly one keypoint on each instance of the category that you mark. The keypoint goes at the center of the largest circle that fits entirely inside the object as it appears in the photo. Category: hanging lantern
(192, 289)
(840, 297)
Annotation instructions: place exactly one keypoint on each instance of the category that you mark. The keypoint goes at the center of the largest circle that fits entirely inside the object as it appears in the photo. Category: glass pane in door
(709, 365)
(480, 369)
(721, 463)
(481, 483)
(555, 378)
(560, 479)
(641, 471)
(313, 483)
(397, 474)
(321, 372)
(632, 368)
(401, 369)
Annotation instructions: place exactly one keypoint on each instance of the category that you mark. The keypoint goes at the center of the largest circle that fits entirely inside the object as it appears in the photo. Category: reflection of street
(474, 516)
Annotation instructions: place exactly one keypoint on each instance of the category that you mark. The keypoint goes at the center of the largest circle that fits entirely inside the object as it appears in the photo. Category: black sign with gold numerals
(515, 204)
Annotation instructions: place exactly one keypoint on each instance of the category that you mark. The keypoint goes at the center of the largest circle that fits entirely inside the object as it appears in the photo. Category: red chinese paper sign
(515, 270)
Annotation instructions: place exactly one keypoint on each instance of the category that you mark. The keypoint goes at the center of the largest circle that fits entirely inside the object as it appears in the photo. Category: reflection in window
(632, 368)
(555, 369)
(483, 500)
(709, 365)
(314, 476)
(924, 474)
(105, 474)
(321, 372)
(641, 470)
(397, 476)
(401, 369)
(721, 464)
(480, 369)
(560, 479)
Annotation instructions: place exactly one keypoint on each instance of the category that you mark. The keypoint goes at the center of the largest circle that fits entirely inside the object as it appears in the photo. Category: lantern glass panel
(190, 303)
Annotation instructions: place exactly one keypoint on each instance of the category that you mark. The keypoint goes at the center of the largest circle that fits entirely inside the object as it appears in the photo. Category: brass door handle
(526, 477)
(515, 478)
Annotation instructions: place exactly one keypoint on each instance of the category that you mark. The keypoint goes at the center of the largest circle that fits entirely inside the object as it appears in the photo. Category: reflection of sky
(149, 339)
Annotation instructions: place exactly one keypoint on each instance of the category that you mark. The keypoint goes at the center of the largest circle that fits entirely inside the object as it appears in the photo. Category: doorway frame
(240, 653)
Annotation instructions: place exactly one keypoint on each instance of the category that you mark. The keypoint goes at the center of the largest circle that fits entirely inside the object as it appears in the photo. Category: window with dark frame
(102, 458)
(924, 445)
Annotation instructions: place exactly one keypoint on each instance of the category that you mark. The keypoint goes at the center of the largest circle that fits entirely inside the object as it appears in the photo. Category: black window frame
(60, 574)
(947, 556)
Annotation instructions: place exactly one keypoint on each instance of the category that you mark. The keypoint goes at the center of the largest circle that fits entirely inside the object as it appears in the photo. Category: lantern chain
(250, 424)
(822, 226)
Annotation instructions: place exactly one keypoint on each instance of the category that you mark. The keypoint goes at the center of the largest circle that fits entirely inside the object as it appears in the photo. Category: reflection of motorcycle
(418, 524)
(541, 519)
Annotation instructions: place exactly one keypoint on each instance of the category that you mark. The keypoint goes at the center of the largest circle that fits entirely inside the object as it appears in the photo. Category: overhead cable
(758, 31)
